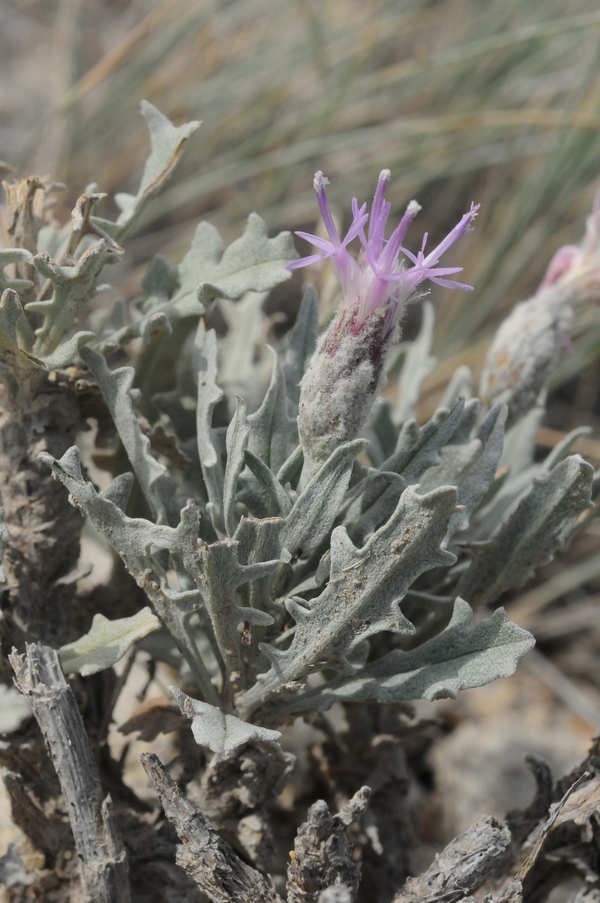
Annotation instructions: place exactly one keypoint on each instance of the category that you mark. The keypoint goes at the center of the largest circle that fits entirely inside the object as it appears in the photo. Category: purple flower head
(380, 277)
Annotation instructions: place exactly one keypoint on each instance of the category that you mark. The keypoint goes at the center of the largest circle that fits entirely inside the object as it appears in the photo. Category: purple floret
(380, 276)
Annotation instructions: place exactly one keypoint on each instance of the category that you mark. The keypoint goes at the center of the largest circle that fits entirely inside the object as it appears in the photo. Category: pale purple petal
(459, 230)
(319, 183)
(306, 261)
(317, 241)
(389, 257)
(380, 210)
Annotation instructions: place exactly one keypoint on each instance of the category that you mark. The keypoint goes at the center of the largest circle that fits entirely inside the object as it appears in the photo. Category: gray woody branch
(104, 868)
(322, 853)
(462, 867)
(208, 859)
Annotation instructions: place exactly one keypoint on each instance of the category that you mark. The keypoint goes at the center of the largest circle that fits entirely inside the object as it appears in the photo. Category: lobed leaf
(116, 386)
(73, 286)
(463, 656)
(219, 732)
(167, 143)
(12, 356)
(530, 536)
(209, 395)
(252, 263)
(418, 447)
(363, 592)
(317, 507)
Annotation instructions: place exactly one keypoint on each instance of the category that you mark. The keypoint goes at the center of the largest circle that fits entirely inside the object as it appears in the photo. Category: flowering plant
(314, 546)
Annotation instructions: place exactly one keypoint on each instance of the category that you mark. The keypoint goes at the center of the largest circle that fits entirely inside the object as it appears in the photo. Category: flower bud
(526, 350)
(528, 344)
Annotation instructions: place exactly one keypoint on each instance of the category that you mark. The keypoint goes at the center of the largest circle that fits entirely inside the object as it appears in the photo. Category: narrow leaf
(317, 507)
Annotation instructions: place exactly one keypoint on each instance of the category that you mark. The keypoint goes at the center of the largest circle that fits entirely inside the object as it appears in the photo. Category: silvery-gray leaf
(133, 538)
(12, 356)
(140, 543)
(272, 431)
(219, 732)
(455, 461)
(115, 386)
(209, 395)
(14, 255)
(460, 386)
(532, 534)
(518, 481)
(260, 540)
(172, 291)
(119, 490)
(470, 467)
(166, 146)
(301, 342)
(418, 447)
(106, 642)
(463, 656)
(418, 363)
(218, 574)
(474, 484)
(316, 508)
(73, 287)
(381, 432)
(291, 470)
(376, 498)
(238, 433)
(363, 593)
(520, 441)
(467, 423)
(160, 282)
(67, 351)
(244, 363)
(276, 501)
(252, 263)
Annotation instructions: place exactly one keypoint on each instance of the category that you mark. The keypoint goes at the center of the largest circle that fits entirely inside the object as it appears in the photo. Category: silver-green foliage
(367, 570)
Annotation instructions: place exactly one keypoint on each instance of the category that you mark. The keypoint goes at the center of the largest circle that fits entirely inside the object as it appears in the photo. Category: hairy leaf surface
(461, 657)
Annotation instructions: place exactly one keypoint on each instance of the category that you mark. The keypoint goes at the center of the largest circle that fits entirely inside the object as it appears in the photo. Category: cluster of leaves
(369, 574)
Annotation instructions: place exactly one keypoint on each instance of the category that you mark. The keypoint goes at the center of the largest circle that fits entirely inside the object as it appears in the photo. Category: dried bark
(233, 793)
(208, 859)
(463, 866)
(44, 529)
(322, 854)
(104, 868)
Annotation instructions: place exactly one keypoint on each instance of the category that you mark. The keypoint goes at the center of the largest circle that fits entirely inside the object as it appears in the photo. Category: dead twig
(104, 867)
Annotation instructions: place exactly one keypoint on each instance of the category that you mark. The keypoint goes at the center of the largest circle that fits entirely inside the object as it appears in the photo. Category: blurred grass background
(496, 101)
(488, 100)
